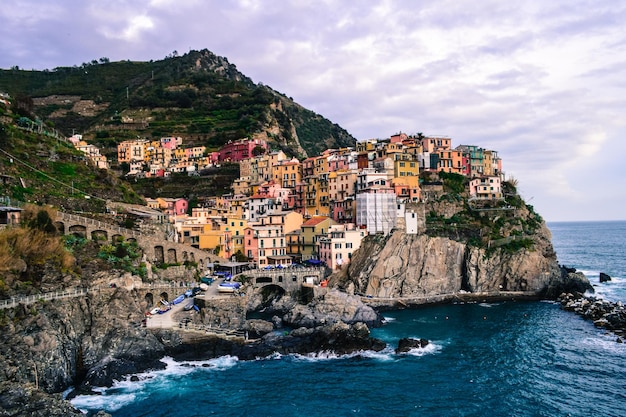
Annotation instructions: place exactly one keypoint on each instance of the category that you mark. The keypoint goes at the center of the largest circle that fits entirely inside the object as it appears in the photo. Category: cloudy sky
(542, 82)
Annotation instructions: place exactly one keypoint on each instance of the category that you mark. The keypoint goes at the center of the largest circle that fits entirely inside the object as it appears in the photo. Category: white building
(376, 209)
(338, 246)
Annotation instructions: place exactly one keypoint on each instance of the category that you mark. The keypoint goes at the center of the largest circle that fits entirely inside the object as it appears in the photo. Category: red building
(241, 149)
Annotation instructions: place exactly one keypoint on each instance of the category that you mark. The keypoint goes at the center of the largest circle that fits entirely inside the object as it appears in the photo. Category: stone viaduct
(155, 248)
(291, 280)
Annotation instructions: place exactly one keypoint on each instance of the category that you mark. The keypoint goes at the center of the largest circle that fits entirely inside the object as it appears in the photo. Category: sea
(525, 358)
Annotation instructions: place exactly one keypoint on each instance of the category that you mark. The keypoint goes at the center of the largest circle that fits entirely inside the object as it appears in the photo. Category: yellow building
(287, 173)
(310, 233)
(216, 236)
(236, 227)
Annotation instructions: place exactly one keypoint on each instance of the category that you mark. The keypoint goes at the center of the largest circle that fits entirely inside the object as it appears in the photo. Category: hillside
(43, 170)
(199, 96)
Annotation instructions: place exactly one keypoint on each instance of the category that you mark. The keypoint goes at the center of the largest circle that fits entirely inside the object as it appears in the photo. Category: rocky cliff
(422, 268)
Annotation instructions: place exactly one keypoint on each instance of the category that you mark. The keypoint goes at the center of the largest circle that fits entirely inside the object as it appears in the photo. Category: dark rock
(17, 400)
(406, 344)
(568, 269)
(257, 328)
(604, 314)
(604, 277)
(569, 282)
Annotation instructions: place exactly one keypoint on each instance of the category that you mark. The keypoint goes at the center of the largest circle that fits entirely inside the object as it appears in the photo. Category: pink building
(251, 244)
(241, 149)
(171, 143)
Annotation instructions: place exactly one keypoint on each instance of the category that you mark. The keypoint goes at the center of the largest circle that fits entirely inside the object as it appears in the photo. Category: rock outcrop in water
(604, 314)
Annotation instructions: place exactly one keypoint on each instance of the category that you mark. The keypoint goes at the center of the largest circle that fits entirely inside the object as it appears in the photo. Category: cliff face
(415, 266)
(53, 345)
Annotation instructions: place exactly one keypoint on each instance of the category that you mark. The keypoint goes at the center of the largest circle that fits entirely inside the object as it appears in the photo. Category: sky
(543, 83)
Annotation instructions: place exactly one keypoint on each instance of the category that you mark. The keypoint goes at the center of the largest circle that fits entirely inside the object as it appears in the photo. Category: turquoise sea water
(501, 359)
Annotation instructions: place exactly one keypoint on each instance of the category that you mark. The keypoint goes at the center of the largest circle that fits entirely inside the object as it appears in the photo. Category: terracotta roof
(314, 221)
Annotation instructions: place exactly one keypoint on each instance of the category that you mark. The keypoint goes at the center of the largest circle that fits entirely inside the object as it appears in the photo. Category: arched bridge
(289, 279)
(155, 248)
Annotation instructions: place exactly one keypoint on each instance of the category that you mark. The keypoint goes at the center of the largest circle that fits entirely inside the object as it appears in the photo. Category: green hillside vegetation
(507, 224)
(198, 96)
(45, 171)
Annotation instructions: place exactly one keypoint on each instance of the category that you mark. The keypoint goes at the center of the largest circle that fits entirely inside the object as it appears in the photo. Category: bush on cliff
(27, 251)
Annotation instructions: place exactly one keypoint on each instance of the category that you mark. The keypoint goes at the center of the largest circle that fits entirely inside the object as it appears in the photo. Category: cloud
(542, 83)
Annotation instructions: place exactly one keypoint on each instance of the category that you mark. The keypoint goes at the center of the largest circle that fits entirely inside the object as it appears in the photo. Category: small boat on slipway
(228, 287)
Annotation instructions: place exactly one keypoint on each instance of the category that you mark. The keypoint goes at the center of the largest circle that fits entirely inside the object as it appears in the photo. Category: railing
(97, 223)
(80, 291)
(30, 299)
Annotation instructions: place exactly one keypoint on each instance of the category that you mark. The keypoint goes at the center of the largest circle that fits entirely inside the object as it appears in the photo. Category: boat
(178, 299)
(164, 309)
(228, 286)
(189, 305)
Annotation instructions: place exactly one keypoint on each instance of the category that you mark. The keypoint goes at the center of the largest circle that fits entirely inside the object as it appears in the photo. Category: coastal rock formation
(84, 340)
(420, 267)
(406, 344)
(603, 313)
(334, 306)
(604, 277)
(27, 400)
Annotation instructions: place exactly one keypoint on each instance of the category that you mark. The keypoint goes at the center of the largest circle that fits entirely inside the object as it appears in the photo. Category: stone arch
(60, 226)
(280, 279)
(264, 280)
(99, 235)
(165, 296)
(159, 255)
(116, 238)
(272, 291)
(185, 256)
(149, 298)
(131, 240)
(192, 257)
(171, 256)
(78, 230)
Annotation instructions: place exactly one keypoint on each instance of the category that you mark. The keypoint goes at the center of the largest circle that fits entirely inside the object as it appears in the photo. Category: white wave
(430, 349)
(589, 273)
(103, 402)
(383, 355)
(388, 319)
(126, 391)
(606, 343)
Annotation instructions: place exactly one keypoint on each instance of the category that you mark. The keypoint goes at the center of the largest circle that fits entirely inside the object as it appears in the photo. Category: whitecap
(388, 319)
(134, 387)
(430, 349)
(385, 354)
(103, 402)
